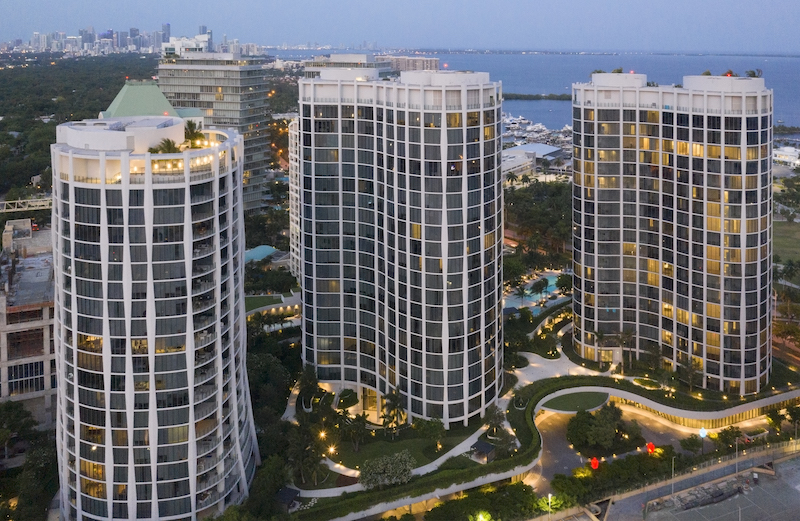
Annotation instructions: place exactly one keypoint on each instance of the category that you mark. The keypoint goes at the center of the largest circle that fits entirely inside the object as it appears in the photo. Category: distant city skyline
(713, 26)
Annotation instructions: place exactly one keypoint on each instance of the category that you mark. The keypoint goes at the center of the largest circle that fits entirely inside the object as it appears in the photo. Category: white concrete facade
(787, 155)
(673, 225)
(154, 416)
(400, 199)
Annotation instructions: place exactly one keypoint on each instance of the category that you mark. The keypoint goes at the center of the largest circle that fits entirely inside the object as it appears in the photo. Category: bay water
(554, 73)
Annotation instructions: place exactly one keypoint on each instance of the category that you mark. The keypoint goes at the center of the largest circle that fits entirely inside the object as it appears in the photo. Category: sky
(718, 26)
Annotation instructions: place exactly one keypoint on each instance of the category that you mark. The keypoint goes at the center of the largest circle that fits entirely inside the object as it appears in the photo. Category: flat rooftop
(31, 282)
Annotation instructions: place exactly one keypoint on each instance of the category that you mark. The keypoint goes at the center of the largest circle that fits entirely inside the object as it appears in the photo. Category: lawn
(421, 448)
(786, 240)
(577, 401)
(251, 303)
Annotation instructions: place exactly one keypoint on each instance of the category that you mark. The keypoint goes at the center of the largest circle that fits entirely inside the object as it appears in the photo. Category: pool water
(551, 279)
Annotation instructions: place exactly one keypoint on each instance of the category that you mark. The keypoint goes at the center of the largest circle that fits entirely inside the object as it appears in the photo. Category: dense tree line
(64, 89)
(260, 277)
(67, 89)
(268, 229)
(541, 212)
(36, 481)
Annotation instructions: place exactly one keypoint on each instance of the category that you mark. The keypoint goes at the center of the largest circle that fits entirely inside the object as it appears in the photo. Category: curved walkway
(538, 368)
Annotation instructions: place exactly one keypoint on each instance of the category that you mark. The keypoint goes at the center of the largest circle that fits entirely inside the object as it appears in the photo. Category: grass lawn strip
(251, 303)
(577, 402)
(786, 239)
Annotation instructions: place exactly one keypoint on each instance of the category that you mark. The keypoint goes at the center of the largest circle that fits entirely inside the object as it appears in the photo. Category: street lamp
(549, 505)
(673, 475)
(703, 434)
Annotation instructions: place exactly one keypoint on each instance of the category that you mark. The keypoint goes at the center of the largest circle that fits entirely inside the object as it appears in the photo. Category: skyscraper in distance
(399, 237)
(154, 416)
(673, 226)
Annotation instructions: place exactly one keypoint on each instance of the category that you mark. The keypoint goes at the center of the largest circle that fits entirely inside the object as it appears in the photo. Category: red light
(631, 72)
(445, 65)
(595, 463)
(727, 75)
(651, 448)
(166, 113)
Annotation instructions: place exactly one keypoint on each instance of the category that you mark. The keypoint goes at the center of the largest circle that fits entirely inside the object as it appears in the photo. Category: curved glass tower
(400, 197)
(154, 416)
(673, 225)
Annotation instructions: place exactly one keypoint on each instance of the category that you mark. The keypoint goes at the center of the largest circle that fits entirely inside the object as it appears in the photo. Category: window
(26, 378)
(22, 344)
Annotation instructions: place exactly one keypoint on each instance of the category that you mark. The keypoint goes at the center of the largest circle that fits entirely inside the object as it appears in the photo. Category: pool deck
(531, 301)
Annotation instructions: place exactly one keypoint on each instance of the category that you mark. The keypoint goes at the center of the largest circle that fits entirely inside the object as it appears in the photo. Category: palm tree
(166, 146)
(393, 411)
(520, 292)
(625, 339)
(600, 336)
(789, 271)
(511, 178)
(525, 179)
(545, 166)
(303, 453)
(192, 134)
(540, 286)
(357, 429)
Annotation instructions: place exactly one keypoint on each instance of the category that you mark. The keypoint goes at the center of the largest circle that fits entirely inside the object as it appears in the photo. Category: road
(559, 458)
(773, 499)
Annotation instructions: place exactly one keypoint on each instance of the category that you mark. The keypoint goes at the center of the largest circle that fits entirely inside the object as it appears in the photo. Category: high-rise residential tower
(399, 194)
(231, 90)
(154, 417)
(673, 225)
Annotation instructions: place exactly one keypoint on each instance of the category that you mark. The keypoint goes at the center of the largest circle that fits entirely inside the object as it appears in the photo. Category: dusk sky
(727, 26)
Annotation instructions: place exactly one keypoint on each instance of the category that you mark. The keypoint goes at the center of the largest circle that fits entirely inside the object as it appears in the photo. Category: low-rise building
(27, 356)
(317, 64)
(410, 63)
(786, 156)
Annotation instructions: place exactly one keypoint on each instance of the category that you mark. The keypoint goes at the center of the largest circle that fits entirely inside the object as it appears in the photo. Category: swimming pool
(551, 287)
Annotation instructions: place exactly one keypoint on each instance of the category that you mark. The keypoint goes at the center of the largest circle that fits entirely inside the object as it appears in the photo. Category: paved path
(537, 369)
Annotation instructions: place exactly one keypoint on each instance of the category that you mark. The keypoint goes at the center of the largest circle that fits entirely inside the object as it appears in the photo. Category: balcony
(201, 286)
(202, 268)
(204, 320)
(202, 251)
(203, 392)
(208, 480)
(203, 339)
(204, 375)
(207, 445)
(204, 427)
(204, 410)
(203, 303)
(201, 232)
(206, 499)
